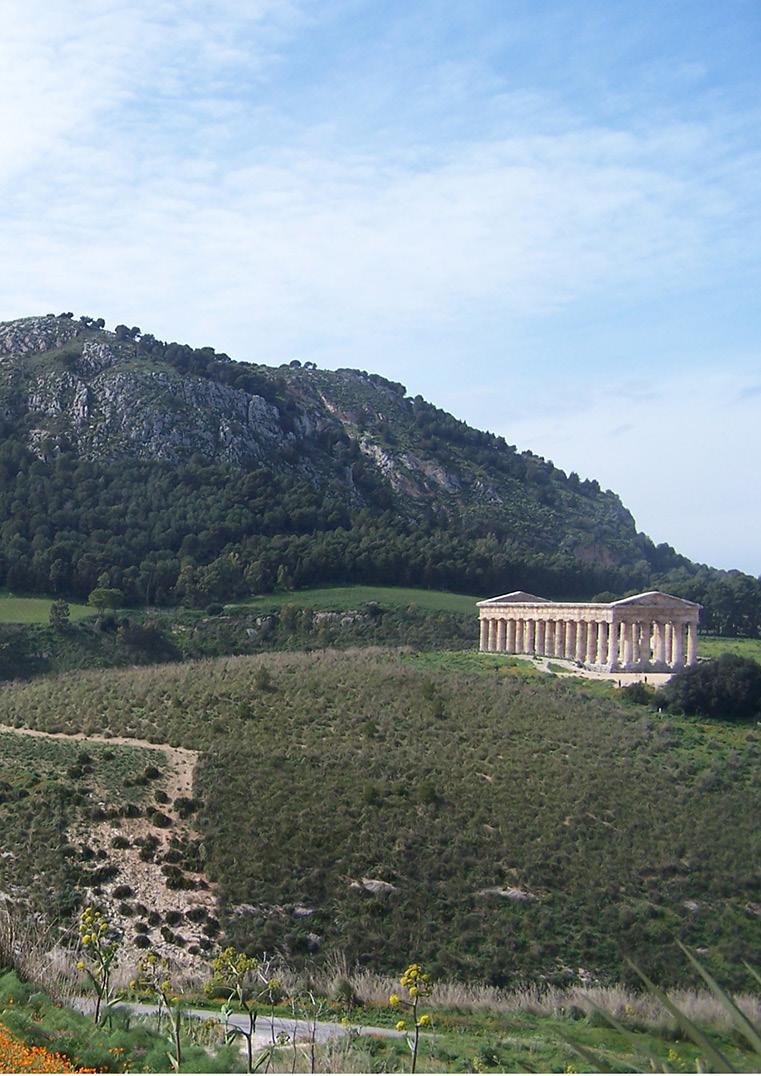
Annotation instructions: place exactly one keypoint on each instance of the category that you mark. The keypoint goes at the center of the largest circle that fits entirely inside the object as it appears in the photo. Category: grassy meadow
(338, 599)
(18, 610)
(524, 826)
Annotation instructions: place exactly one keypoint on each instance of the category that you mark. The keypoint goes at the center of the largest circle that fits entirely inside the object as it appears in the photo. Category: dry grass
(635, 1009)
(29, 946)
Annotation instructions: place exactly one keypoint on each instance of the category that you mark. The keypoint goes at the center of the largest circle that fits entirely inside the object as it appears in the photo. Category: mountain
(177, 474)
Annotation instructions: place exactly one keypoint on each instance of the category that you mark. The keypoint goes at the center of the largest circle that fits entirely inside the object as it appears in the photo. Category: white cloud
(151, 173)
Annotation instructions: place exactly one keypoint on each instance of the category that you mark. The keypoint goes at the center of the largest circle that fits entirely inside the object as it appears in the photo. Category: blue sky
(543, 216)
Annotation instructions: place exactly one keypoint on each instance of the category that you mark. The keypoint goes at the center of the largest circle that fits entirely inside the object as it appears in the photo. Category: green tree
(59, 614)
(727, 687)
(103, 598)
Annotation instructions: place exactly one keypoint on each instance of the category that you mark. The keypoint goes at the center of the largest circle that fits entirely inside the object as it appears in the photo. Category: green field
(342, 598)
(710, 646)
(16, 610)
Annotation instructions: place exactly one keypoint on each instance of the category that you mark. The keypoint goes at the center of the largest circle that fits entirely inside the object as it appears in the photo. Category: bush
(639, 693)
(728, 687)
(215, 609)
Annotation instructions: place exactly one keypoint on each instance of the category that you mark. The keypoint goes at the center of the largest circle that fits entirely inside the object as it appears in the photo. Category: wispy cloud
(396, 190)
(683, 457)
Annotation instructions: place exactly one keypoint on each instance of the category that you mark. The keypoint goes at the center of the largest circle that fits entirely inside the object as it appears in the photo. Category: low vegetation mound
(499, 826)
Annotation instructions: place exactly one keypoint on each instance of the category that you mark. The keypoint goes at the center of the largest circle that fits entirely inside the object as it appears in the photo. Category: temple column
(602, 643)
(644, 644)
(626, 640)
(519, 636)
(530, 636)
(613, 644)
(679, 646)
(668, 634)
(692, 644)
(659, 643)
(501, 625)
(541, 628)
(484, 643)
(511, 636)
(492, 635)
(591, 654)
(559, 638)
(635, 643)
(581, 641)
(549, 638)
(569, 639)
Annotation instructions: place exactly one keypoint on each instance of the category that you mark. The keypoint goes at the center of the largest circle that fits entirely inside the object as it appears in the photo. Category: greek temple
(647, 632)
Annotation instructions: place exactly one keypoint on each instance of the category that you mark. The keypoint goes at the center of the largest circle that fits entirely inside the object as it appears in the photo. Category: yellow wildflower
(424, 1020)
(400, 1025)
(393, 1000)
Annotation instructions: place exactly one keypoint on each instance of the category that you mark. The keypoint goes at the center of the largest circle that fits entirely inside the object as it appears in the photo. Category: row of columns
(623, 645)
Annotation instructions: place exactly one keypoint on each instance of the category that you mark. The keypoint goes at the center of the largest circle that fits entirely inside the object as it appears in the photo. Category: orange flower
(16, 1056)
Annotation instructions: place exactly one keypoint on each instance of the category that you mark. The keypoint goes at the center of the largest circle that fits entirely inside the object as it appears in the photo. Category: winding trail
(182, 761)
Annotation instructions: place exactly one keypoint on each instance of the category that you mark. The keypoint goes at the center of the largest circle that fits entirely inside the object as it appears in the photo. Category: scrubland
(523, 827)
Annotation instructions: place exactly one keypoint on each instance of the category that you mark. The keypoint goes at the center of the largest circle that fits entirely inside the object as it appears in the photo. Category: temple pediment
(515, 597)
(654, 599)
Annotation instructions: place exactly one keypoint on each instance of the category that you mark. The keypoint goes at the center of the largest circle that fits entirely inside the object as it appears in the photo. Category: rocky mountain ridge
(237, 454)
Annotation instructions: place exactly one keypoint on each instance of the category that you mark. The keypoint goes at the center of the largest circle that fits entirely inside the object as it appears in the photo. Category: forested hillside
(179, 476)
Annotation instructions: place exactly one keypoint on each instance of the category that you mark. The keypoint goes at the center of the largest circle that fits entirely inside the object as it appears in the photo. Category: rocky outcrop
(33, 335)
(68, 384)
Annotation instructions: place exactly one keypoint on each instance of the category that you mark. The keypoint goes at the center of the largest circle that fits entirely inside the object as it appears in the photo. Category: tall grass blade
(741, 1021)
(718, 1061)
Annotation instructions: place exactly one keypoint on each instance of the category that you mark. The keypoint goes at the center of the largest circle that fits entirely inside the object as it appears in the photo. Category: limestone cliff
(69, 386)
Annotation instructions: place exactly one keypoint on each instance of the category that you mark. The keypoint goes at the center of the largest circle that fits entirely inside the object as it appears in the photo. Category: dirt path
(181, 760)
(618, 679)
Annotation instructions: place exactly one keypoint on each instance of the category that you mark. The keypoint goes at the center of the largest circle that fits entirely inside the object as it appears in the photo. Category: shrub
(640, 694)
(727, 687)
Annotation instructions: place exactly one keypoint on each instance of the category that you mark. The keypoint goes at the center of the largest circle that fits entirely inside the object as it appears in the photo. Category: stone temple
(651, 632)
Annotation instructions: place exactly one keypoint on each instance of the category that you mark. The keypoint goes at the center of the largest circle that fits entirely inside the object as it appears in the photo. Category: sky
(541, 215)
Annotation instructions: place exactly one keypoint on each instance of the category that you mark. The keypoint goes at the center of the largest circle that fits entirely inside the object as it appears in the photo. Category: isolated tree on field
(103, 598)
(59, 614)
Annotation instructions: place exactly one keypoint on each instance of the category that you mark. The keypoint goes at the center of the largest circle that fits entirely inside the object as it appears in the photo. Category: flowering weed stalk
(247, 981)
(416, 984)
(153, 979)
(99, 955)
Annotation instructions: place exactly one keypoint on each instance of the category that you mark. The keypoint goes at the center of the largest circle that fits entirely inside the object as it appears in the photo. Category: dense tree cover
(317, 507)
(727, 687)
(204, 532)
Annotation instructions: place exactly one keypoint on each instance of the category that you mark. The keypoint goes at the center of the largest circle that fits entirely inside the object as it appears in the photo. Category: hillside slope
(176, 474)
(497, 824)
